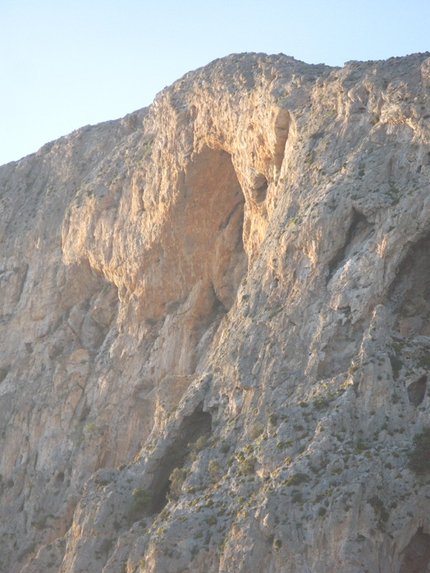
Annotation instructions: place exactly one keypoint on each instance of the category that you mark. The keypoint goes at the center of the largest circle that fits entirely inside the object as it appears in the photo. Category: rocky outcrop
(215, 333)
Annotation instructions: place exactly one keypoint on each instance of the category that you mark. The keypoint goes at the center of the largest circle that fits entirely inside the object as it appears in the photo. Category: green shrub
(211, 520)
(322, 511)
(90, 428)
(419, 457)
(320, 403)
(297, 479)
(214, 469)
(360, 447)
(396, 366)
(380, 511)
(142, 499)
(281, 445)
(425, 362)
(198, 445)
(277, 544)
(247, 466)
(101, 482)
(256, 430)
(177, 478)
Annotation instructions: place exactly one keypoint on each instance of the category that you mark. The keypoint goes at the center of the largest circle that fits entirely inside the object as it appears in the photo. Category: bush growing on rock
(198, 445)
(256, 430)
(297, 479)
(142, 499)
(247, 466)
(177, 478)
(214, 469)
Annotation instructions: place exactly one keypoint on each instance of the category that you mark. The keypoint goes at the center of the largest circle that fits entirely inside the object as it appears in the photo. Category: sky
(69, 63)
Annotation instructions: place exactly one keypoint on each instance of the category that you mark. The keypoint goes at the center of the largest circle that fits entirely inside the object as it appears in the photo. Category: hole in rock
(192, 428)
(416, 555)
(260, 192)
(214, 309)
(210, 220)
(204, 260)
(417, 391)
(359, 230)
(409, 295)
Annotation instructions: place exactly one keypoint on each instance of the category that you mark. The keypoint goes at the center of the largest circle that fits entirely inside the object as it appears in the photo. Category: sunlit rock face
(215, 329)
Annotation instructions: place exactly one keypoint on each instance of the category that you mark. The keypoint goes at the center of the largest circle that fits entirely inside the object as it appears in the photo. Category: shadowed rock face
(417, 554)
(214, 329)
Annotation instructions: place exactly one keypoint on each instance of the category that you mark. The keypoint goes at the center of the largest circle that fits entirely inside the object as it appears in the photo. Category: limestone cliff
(215, 329)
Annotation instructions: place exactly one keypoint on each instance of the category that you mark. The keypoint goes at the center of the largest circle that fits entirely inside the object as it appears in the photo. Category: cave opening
(416, 555)
(417, 391)
(204, 258)
(193, 427)
(409, 294)
(193, 273)
(260, 191)
(212, 218)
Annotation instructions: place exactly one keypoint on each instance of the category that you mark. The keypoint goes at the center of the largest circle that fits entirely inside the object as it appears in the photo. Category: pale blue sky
(68, 63)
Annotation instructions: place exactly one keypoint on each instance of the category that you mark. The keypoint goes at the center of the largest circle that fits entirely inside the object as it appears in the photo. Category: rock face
(215, 329)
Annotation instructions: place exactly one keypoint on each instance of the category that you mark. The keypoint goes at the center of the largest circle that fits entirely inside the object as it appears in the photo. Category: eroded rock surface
(215, 329)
